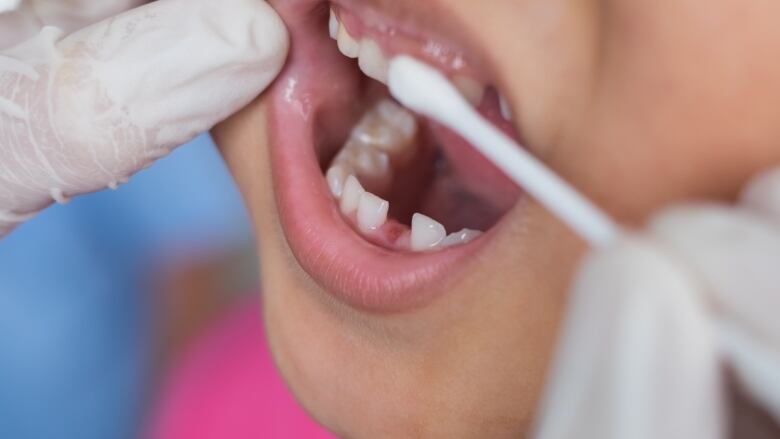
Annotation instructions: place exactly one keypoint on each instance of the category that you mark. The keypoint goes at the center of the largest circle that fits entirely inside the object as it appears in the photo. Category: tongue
(474, 172)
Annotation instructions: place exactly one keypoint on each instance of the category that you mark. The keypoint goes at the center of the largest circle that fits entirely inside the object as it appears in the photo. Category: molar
(370, 164)
(397, 116)
(427, 233)
(388, 128)
(371, 212)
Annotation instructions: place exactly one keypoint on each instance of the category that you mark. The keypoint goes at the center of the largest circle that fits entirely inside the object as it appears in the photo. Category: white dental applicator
(427, 91)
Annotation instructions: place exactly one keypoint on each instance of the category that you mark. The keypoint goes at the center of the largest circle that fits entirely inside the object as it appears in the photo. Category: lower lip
(354, 271)
(347, 266)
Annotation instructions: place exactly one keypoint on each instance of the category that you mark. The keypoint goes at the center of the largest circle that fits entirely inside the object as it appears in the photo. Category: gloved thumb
(86, 111)
(637, 356)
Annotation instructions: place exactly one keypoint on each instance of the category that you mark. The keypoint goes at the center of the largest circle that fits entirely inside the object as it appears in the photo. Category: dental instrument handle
(425, 90)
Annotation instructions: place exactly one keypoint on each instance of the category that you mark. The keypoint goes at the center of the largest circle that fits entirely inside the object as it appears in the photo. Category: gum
(395, 40)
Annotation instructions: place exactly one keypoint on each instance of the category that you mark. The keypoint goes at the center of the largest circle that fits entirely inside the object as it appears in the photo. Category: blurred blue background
(78, 329)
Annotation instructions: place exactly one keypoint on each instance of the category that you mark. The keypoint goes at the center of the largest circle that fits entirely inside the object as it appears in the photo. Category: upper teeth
(374, 64)
(371, 59)
(333, 25)
(347, 45)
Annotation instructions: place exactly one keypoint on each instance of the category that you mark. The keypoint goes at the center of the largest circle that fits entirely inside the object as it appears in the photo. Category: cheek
(683, 104)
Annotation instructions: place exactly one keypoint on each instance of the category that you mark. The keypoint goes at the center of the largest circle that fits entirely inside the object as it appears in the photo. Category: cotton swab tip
(427, 91)
(424, 89)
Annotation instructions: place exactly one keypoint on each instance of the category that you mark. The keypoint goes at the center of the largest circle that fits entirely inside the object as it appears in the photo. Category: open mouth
(379, 206)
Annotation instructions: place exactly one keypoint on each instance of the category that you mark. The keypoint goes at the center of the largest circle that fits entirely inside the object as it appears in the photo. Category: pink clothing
(227, 387)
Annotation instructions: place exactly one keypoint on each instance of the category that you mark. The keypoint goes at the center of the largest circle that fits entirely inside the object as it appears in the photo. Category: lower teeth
(384, 140)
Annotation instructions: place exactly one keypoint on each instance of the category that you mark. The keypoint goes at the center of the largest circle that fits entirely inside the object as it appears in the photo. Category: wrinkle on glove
(85, 111)
(638, 357)
(25, 18)
(657, 321)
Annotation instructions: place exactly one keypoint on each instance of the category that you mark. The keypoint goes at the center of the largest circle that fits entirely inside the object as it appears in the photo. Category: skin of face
(638, 104)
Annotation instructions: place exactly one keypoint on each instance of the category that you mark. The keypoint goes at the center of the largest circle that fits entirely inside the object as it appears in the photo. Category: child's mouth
(380, 207)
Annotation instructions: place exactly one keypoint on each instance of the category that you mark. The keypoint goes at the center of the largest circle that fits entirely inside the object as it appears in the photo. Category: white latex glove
(655, 321)
(83, 111)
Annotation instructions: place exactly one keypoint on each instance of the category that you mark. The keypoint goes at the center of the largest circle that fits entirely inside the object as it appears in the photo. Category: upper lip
(340, 261)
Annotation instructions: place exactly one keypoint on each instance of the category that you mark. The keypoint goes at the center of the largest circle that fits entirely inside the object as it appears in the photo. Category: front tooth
(427, 233)
(333, 25)
(472, 90)
(350, 197)
(372, 61)
(462, 237)
(506, 112)
(371, 212)
(347, 45)
(336, 176)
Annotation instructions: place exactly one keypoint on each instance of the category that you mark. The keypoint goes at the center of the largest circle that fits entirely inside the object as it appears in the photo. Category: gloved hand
(658, 321)
(85, 106)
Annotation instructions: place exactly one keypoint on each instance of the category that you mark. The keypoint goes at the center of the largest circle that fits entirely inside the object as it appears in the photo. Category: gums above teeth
(374, 63)
(383, 138)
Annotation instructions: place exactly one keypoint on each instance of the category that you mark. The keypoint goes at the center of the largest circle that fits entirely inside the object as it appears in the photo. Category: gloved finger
(72, 15)
(763, 195)
(29, 17)
(735, 254)
(756, 363)
(637, 356)
(8, 5)
(87, 111)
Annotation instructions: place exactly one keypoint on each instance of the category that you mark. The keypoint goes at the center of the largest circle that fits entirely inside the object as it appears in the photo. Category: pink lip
(343, 263)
